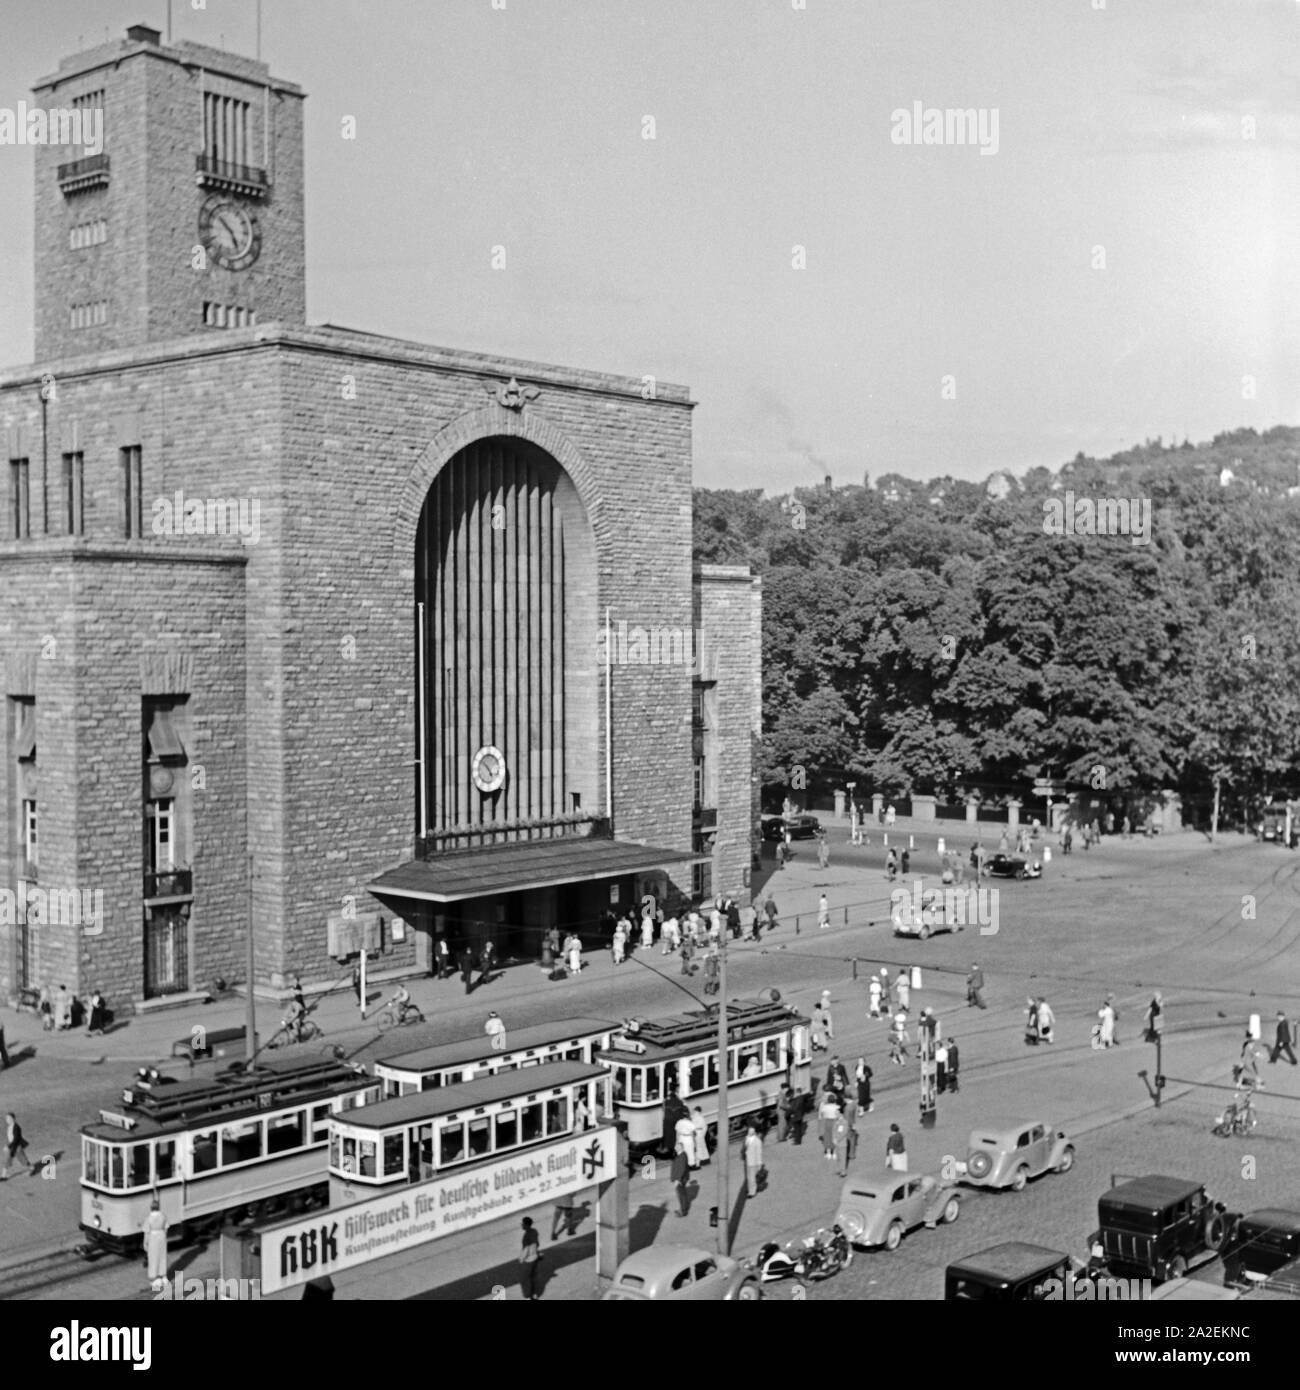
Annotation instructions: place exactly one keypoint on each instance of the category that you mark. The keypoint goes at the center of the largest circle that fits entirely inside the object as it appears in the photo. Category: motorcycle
(818, 1256)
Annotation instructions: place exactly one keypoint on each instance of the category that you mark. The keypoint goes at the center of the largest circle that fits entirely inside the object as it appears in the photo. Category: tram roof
(478, 1047)
(468, 1095)
(656, 1039)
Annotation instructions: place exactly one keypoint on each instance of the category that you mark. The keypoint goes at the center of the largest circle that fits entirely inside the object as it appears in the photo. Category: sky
(1120, 263)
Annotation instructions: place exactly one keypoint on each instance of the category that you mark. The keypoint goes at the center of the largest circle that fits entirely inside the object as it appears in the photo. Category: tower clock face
(489, 770)
(229, 233)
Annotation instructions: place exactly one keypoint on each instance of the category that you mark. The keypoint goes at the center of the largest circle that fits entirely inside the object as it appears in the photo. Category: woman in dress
(826, 1013)
(1031, 1023)
(818, 1029)
(575, 955)
(873, 997)
(620, 944)
(1107, 1016)
(828, 1112)
(903, 990)
(862, 1075)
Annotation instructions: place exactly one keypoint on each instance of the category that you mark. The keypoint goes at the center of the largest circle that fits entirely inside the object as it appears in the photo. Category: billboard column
(612, 1217)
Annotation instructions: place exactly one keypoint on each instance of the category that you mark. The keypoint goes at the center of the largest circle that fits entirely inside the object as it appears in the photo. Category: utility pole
(724, 1123)
(250, 1006)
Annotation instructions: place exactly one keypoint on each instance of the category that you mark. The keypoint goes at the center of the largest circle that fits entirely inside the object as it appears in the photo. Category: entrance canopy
(487, 870)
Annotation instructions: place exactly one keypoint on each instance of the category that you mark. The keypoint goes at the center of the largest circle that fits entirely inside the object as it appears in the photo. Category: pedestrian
(1004, 844)
(818, 1029)
(798, 1115)
(903, 990)
(891, 865)
(487, 959)
(701, 1137)
(1128, 827)
(717, 923)
(1246, 1072)
(63, 1009)
(1067, 840)
(905, 861)
(941, 1068)
(784, 1109)
(1281, 1040)
(734, 923)
(1046, 1021)
(671, 935)
(467, 968)
(684, 1138)
(840, 1139)
(826, 1013)
(442, 958)
(827, 1113)
(863, 1075)
(769, 907)
(46, 1009)
(647, 929)
(975, 988)
(154, 1227)
(1106, 1024)
(712, 969)
(688, 950)
(356, 986)
(495, 1028)
(1031, 1023)
(750, 921)
(873, 997)
(530, 1256)
(619, 945)
(837, 1078)
(15, 1144)
(823, 852)
(681, 1177)
(896, 1150)
(575, 956)
(823, 912)
(890, 817)
(4, 1051)
(953, 1060)
(898, 1039)
(1154, 1018)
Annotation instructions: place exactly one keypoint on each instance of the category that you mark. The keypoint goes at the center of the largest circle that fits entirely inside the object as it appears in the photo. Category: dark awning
(486, 870)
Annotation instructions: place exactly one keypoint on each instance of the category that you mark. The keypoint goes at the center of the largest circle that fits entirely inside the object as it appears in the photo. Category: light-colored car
(682, 1272)
(942, 909)
(1009, 1154)
(880, 1208)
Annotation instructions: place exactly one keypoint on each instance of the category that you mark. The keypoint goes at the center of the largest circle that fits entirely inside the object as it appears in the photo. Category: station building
(356, 639)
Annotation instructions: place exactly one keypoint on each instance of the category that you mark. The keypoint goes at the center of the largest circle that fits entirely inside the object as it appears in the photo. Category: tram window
(697, 1077)
(284, 1132)
(772, 1054)
(392, 1089)
(205, 1151)
(480, 1137)
(115, 1156)
(451, 1144)
(241, 1143)
(507, 1130)
(349, 1160)
(394, 1155)
(334, 1150)
(574, 1054)
(530, 1123)
(425, 1152)
(712, 1071)
(557, 1115)
(620, 1083)
(366, 1149)
(320, 1123)
(137, 1166)
(637, 1077)
(93, 1165)
(750, 1059)
(165, 1160)
(653, 1082)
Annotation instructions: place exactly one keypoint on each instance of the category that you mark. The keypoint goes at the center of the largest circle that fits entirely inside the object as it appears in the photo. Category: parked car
(1008, 1155)
(1014, 866)
(1013, 1272)
(682, 1272)
(942, 909)
(1283, 1284)
(1260, 1243)
(801, 827)
(1156, 1226)
(880, 1208)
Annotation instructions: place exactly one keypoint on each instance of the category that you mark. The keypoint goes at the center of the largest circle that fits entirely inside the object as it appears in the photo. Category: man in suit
(1282, 1042)
(467, 968)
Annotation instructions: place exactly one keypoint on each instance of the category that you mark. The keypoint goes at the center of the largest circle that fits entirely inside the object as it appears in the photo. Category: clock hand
(234, 234)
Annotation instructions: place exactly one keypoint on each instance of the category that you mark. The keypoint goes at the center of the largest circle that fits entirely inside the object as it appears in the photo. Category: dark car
(1014, 866)
(1155, 1227)
(1259, 1244)
(1014, 1272)
(1281, 1285)
(801, 827)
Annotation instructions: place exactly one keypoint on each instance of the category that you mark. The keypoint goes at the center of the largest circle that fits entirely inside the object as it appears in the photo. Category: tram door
(421, 1155)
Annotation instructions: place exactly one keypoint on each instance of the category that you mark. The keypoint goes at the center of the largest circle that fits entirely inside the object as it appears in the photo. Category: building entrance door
(166, 952)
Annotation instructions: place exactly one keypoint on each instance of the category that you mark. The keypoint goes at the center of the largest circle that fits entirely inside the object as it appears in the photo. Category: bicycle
(291, 1033)
(1239, 1118)
(388, 1017)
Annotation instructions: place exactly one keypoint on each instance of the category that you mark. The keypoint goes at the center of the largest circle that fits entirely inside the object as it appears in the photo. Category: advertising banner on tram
(310, 1247)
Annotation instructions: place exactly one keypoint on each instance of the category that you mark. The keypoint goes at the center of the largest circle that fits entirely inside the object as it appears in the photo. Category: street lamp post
(724, 1123)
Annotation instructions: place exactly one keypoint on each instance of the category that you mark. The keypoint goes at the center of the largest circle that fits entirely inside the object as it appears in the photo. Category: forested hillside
(933, 637)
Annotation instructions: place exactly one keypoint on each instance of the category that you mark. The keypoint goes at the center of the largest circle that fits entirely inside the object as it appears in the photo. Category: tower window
(225, 128)
(132, 492)
(90, 101)
(227, 315)
(19, 474)
(29, 830)
(85, 234)
(74, 492)
(162, 840)
(90, 315)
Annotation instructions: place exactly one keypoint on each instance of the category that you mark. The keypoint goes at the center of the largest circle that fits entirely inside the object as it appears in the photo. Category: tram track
(49, 1268)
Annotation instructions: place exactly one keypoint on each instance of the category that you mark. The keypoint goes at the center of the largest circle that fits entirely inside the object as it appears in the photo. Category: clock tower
(187, 217)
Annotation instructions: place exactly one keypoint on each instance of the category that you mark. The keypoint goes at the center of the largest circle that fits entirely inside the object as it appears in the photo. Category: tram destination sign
(326, 1242)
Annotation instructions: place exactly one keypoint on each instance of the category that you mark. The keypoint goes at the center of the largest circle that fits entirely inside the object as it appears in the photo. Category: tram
(469, 1059)
(423, 1134)
(239, 1145)
(665, 1068)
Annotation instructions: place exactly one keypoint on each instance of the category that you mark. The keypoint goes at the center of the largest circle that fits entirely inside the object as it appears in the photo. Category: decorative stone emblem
(510, 394)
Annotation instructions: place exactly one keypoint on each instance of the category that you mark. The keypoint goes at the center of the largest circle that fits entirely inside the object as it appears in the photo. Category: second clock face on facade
(489, 770)
(229, 232)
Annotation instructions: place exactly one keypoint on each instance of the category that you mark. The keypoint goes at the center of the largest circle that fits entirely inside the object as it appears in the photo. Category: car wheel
(979, 1165)
(749, 1292)
(1020, 1179)
(925, 932)
(894, 1236)
(951, 1211)
(1067, 1159)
